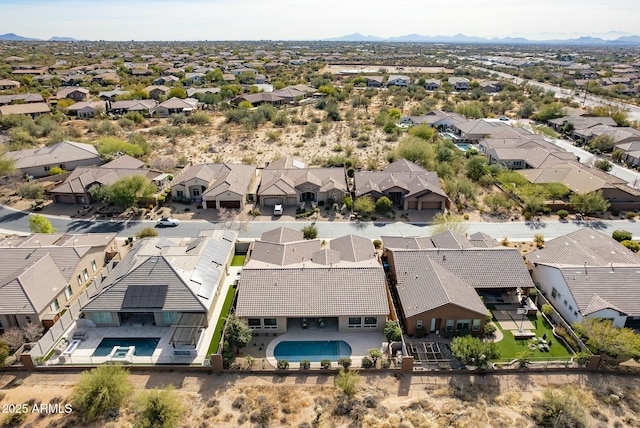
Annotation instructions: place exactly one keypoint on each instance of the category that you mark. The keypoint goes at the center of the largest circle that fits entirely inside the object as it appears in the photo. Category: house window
(195, 192)
(463, 325)
(68, 292)
(565, 302)
(270, 323)
(102, 317)
(554, 293)
(575, 313)
(28, 320)
(254, 322)
(54, 306)
(370, 322)
(570, 308)
(85, 272)
(93, 265)
(170, 317)
(79, 280)
(355, 322)
(63, 166)
(476, 325)
(180, 193)
(449, 325)
(47, 168)
(419, 324)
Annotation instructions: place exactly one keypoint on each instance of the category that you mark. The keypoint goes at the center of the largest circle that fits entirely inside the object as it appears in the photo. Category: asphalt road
(18, 222)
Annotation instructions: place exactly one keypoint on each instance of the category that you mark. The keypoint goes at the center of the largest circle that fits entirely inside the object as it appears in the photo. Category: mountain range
(623, 40)
(461, 38)
(16, 38)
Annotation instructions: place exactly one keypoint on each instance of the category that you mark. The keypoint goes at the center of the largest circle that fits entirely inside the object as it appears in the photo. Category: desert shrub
(377, 244)
(489, 329)
(631, 215)
(547, 309)
(560, 408)
(325, 364)
(622, 235)
(364, 205)
(147, 232)
(238, 403)
(305, 364)
(14, 419)
(347, 381)
(283, 364)
(392, 331)
(159, 408)
(344, 362)
(348, 202)
(56, 170)
(310, 232)
(101, 390)
(632, 245)
(563, 214)
(367, 363)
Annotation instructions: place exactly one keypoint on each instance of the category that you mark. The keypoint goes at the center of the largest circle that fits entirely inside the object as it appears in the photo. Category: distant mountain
(462, 38)
(15, 38)
(62, 39)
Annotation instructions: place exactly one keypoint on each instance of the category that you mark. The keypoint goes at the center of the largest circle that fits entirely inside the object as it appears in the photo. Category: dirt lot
(382, 401)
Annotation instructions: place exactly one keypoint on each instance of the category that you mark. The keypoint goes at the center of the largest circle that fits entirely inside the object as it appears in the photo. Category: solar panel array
(207, 272)
(145, 296)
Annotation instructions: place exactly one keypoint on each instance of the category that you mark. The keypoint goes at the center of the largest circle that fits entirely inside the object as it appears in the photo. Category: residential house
(375, 81)
(42, 274)
(166, 80)
(106, 78)
(289, 181)
(111, 95)
(86, 109)
(587, 274)
(157, 91)
(474, 130)
(75, 189)
(631, 152)
(259, 98)
(442, 121)
(398, 80)
(291, 282)
(166, 282)
(32, 109)
(491, 86)
(620, 135)
(409, 186)
(193, 78)
(582, 179)
(67, 155)
(580, 123)
(72, 93)
(459, 83)
(175, 106)
(193, 91)
(9, 84)
(432, 84)
(144, 107)
(439, 280)
(21, 99)
(216, 185)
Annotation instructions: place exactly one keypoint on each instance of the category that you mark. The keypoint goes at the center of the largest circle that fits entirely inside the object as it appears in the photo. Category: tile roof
(584, 246)
(424, 285)
(29, 108)
(82, 178)
(400, 174)
(597, 288)
(282, 235)
(65, 151)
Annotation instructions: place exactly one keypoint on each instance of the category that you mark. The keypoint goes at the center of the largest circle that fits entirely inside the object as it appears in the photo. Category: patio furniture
(80, 335)
(304, 323)
(321, 323)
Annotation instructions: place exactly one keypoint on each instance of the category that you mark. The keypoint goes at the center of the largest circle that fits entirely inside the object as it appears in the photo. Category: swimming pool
(312, 350)
(144, 346)
(463, 147)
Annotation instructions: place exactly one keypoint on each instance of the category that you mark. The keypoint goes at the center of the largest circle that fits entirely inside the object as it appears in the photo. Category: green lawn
(215, 341)
(509, 346)
(238, 260)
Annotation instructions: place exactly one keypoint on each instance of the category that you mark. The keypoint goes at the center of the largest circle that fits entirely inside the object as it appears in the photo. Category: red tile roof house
(67, 155)
(439, 280)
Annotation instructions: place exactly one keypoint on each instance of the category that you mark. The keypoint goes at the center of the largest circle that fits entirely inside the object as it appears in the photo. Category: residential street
(16, 221)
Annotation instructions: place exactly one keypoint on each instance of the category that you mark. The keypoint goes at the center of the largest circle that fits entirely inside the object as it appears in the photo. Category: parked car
(505, 118)
(167, 222)
(277, 209)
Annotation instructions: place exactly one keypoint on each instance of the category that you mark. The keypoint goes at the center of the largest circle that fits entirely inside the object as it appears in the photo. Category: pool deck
(360, 343)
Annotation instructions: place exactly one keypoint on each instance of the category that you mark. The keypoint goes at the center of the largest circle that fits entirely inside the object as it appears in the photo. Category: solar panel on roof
(298, 164)
(164, 242)
(145, 296)
(209, 284)
(193, 244)
(229, 236)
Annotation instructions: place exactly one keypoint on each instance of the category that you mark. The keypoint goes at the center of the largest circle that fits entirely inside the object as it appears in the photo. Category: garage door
(271, 201)
(229, 204)
(64, 199)
(412, 205)
(435, 205)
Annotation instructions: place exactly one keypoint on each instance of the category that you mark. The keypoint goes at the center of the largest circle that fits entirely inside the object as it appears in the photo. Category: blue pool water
(144, 346)
(312, 350)
(463, 147)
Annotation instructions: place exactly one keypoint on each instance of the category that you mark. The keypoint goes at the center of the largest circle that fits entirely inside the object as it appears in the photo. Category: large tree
(40, 224)
(589, 203)
(129, 191)
(237, 332)
(473, 351)
(601, 336)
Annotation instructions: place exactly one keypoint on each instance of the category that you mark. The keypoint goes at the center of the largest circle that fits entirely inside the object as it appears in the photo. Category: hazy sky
(314, 19)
